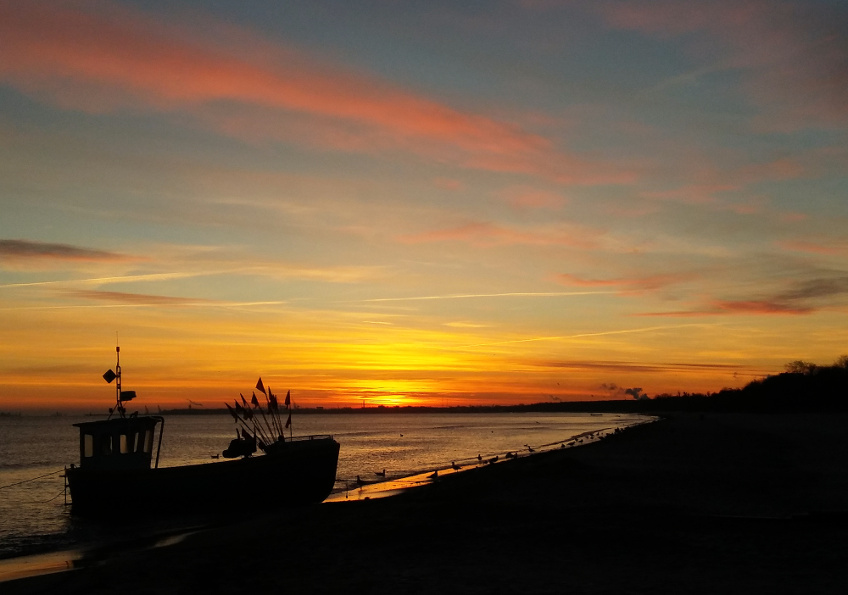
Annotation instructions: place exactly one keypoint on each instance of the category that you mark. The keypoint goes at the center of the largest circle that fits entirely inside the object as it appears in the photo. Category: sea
(376, 447)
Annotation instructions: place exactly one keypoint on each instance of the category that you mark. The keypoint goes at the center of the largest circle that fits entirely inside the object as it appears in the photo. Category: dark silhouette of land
(806, 388)
(746, 496)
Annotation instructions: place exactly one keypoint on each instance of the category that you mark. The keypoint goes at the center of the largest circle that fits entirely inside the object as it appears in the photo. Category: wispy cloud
(793, 54)
(615, 366)
(103, 57)
(626, 284)
(649, 329)
(120, 299)
(466, 296)
(489, 234)
(800, 298)
(114, 279)
(759, 307)
(815, 247)
(26, 250)
(533, 198)
(137, 299)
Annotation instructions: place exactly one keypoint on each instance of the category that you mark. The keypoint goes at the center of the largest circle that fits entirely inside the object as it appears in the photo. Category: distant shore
(731, 503)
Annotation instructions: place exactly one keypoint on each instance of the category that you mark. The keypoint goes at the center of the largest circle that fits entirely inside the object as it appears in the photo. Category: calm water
(33, 515)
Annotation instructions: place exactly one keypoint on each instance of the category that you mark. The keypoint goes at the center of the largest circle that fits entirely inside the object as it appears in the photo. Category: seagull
(435, 474)
(454, 466)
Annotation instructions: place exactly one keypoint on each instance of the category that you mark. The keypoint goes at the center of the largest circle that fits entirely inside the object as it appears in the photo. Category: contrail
(463, 296)
(182, 304)
(578, 336)
(120, 279)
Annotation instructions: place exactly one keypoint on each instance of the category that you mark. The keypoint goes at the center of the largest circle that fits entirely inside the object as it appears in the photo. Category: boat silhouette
(118, 471)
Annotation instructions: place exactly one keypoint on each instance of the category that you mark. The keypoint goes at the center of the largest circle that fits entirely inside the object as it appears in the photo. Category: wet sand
(692, 504)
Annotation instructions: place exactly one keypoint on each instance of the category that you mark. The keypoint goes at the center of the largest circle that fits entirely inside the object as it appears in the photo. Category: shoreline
(694, 503)
(63, 560)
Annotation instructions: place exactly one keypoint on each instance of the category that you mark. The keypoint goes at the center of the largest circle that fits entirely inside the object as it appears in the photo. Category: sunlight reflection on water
(33, 515)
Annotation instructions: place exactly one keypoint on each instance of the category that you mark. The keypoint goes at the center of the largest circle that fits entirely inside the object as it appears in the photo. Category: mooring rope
(17, 483)
(53, 498)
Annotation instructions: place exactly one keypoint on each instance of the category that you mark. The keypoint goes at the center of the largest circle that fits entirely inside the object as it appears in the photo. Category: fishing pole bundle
(258, 426)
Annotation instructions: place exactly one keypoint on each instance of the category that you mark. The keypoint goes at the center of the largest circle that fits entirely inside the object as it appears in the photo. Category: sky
(418, 203)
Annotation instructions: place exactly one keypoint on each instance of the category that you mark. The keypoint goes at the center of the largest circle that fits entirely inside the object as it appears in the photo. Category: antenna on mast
(120, 396)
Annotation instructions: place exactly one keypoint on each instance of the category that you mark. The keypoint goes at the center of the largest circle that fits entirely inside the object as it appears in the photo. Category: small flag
(288, 398)
(288, 421)
(260, 387)
(254, 401)
(243, 401)
(232, 412)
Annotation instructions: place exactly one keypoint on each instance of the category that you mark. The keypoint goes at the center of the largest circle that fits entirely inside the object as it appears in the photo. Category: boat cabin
(122, 443)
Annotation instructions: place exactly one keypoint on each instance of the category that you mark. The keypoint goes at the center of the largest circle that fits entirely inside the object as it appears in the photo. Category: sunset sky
(437, 203)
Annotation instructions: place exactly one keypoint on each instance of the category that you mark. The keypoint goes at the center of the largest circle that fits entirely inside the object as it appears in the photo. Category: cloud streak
(801, 298)
(792, 54)
(465, 296)
(115, 279)
(101, 57)
(626, 284)
(649, 329)
(25, 250)
(486, 234)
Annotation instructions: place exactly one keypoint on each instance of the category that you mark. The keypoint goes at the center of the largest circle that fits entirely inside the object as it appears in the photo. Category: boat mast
(118, 403)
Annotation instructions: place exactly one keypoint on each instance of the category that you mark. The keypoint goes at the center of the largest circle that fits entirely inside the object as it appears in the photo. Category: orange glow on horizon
(232, 192)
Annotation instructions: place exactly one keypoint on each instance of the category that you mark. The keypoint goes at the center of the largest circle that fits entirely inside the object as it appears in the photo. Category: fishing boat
(119, 474)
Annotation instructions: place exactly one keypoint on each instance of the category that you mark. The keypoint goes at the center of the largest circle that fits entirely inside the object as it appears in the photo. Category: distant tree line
(804, 386)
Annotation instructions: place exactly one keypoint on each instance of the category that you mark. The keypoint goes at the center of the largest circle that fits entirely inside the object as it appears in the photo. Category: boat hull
(299, 472)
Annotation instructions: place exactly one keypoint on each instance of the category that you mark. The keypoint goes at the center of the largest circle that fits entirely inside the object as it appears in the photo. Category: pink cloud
(533, 198)
(823, 248)
(488, 234)
(626, 284)
(759, 307)
(692, 193)
(137, 299)
(716, 188)
(448, 184)
(744, 307)
(97, 56)
(26, 250)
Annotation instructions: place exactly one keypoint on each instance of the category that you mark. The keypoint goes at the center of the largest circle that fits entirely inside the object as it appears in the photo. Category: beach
(693, 503)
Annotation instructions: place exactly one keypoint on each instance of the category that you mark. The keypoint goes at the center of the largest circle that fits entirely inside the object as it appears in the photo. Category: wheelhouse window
(88, 446)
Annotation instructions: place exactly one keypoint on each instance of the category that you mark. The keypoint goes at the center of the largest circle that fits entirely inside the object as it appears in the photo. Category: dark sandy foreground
(716, 504)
